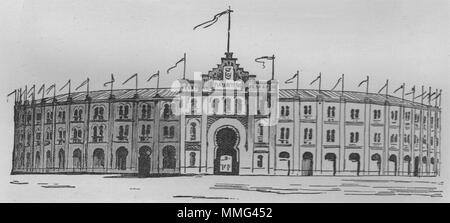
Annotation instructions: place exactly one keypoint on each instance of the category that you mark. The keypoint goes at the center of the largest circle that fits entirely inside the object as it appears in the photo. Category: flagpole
(320, 81)
(403, 92)
(297, 81)
(87, 95)
(429, 96)
(421, 97)
(387, 88)
(342, 91)
(273, 67)
(157, 85)
(367, 85)
(440, 97)
(437, 94)
(229, 28)
(184, 67)
(136, 91)
(70, 87)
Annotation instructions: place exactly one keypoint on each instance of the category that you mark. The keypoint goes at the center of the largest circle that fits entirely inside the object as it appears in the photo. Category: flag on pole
(82, 84)
(317, 78)
(431, 95)
(339, 80)
(32, 90)
(437, 96)
(421, 95)
(42, 89)
(384, 86)
(65, 85)
(362, 82)
(401, 87)
(50, 88)
(110, 82)
(176, 64)
(413, 89)
(132, 76)
(213, 20)
(261, 60)
(7, 96)
(290, 80)
(154, 75)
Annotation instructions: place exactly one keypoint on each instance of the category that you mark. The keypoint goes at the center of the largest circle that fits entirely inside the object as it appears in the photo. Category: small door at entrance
(144, 161)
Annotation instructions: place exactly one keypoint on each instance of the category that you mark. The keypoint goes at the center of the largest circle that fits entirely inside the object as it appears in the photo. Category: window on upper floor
(167, 111)
(215, 105)
(377, 114)
(416, 118)
(29, 117)
(377, 137)
(331, 111)
(394, 115)
(146, 111)
(406, 138)
(407, 116)
(28, 143)
(61, 136)
(394, 138)
(193, 131)
(260, 131)
(354, 137)
(48, 136)
(123, 132)
(239, 105)
(354, 114)
(194, 105)
(77, 135)
(98, 133)
(284, 135)
(331, 135)
(61, 116)
(38, 117)
(49, 117)
(169, 132)
(227, 102)
(124, 112)
(307, 110)
(259, 161)
(78, 114)
(432, 122)
(99, 113)
(307, 135)
(285, 111)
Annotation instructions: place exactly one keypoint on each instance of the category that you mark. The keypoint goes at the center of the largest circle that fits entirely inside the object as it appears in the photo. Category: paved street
(100, 188)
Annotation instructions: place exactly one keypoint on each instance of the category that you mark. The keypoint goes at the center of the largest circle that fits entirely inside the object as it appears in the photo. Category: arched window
(167, 112)
(259, 161)
(284, 155)
(193, 131)
(166, 131)
(171, 131)
(48, 159)
(282, 110)
(287, 111)
(192, 158)
(227, 105)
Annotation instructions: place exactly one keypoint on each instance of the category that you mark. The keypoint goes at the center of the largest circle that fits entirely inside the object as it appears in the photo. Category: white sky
(50, 41)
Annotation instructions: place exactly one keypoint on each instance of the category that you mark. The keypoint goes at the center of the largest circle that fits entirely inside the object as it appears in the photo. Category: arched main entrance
(144, 161)
(61, 159)
(377, 158)
(393, 167)
(98, 159)
(226, 159)
(354, 157)
(416, 166)
(332, 157)
(407, 160)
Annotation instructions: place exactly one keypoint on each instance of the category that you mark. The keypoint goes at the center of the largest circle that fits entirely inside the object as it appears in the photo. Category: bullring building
(227, 123)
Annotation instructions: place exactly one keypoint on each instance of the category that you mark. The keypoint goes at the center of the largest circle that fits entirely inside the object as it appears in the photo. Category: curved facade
(258, 130)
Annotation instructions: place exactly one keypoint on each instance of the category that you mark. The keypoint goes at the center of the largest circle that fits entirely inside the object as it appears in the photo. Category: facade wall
(311, 137)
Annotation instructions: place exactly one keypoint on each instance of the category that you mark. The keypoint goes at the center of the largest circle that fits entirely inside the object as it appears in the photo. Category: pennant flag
(384, 86)
(431, 94)
(32, 89)
(132, 76)
(413, 89)
(176, 64)
(65, 85)
(289, 81)
(424, 93)
(437, 96)
(339, 80)
(213, 20)
(7, 96)
(317, 78)
(362, 82)
(42, 89)
(401, 87)
(82, 84)
(50, 88)
(154, 75)
(110, 82)
(259, 60)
